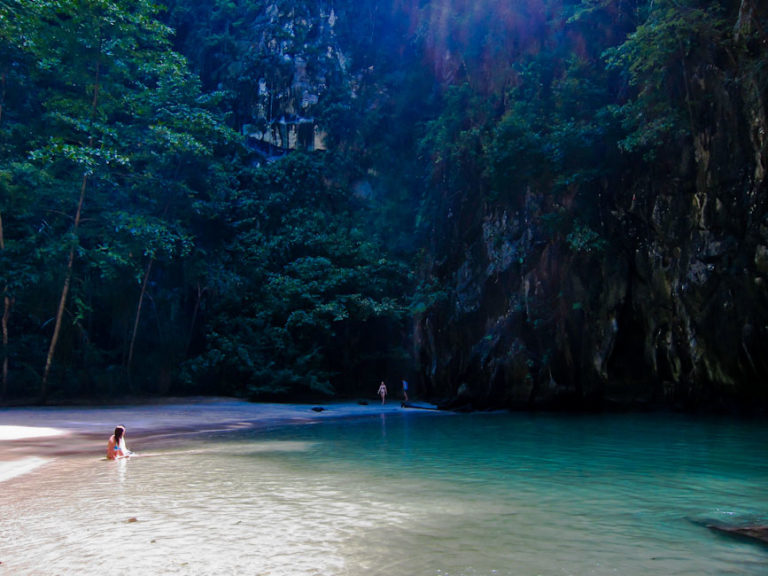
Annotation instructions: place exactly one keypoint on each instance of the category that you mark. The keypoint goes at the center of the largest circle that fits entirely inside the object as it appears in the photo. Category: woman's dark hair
(119, 431)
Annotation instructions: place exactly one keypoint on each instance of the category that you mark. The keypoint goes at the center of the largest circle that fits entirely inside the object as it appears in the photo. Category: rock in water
(757, 533)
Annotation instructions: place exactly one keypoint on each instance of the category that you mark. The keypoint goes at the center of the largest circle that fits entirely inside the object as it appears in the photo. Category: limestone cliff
(669, 308)
(584, 184)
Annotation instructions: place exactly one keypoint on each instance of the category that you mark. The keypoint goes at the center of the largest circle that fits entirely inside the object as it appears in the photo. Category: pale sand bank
(25, 433)
(15, 468)
(22, 432)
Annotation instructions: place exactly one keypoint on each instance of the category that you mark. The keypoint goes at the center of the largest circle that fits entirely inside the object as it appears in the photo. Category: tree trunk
(138, 316)
(7, 302)
(200, 292)
(71, 259)
(2, 94)
(7, 305)
(64, 295)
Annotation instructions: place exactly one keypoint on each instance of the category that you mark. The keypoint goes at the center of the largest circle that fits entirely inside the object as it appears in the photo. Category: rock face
(755, 533)
(673, 309)
(661, 301)
(296, 49)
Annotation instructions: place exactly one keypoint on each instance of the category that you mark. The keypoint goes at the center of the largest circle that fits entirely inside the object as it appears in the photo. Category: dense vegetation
(507, 203)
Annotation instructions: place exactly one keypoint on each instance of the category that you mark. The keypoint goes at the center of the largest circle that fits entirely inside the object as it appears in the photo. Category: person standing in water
(383, 392)
(116, 447)
(405, 391)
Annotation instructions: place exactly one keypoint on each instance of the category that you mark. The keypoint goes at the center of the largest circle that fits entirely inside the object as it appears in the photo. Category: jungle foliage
(147, 247)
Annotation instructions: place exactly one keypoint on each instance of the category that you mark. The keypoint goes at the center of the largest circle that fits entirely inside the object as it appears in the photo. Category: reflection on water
(403, 495)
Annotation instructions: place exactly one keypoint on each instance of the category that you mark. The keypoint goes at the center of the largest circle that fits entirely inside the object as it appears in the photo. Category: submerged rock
(758, 533)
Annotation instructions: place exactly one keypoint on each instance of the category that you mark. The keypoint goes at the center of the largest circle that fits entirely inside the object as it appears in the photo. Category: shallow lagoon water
(404, 494)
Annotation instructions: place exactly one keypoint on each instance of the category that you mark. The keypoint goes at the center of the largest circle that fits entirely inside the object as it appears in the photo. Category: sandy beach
(32, 436)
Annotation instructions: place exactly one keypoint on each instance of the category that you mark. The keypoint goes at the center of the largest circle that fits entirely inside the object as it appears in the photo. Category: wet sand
(33, 436)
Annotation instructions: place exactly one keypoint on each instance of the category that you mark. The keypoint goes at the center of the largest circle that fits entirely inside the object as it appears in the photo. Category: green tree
(656, 59)
(307, 288)
(118, 162)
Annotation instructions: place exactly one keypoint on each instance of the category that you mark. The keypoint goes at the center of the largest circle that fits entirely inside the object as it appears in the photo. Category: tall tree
(656, 59)
(14, 85)
(122, 128)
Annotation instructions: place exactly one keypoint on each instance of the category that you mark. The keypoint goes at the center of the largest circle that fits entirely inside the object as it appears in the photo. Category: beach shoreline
(33, 436)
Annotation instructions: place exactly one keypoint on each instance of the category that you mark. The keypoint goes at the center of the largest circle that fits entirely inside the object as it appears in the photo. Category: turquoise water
(405, 494)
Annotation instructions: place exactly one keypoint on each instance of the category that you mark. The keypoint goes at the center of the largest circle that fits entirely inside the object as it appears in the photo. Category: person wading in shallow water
(116, 448)
(383, 392)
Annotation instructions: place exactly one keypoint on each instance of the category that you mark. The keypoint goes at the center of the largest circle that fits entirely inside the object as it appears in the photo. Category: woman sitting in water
(116, 448)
